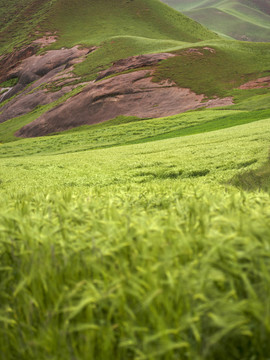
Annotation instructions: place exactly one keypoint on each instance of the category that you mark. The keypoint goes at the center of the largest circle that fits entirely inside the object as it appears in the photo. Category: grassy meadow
(143, 251)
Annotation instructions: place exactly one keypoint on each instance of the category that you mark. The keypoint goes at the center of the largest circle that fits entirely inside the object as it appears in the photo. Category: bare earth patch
(46, 40)
(49, 71)
(198, 51)
(47, 77)
(132, 94)
(261, 83)
(134, 62)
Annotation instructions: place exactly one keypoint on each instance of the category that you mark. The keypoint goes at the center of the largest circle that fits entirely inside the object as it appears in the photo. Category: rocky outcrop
(25, 103)
(132, 94)
(9, 62)
(36, 67)
(45, 78)
(260, 83)
(51, 70)
(134, 62)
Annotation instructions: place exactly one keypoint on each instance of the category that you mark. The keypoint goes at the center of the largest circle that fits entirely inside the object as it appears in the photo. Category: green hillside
(242, 20)
(89, 22)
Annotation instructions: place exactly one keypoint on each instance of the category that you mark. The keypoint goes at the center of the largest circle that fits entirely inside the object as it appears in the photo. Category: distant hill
(242, 20)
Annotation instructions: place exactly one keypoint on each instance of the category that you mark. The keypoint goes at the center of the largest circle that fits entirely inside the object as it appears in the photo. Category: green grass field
(143, 251)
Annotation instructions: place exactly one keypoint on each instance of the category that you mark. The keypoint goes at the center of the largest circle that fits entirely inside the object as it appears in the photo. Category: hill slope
(91, 22)
(80, 58)
(242, 20)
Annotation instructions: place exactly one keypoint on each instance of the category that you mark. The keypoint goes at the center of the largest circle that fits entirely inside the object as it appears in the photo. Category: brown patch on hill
(197, 51)
(36, 67)
(9, 62)
(134, 62)
(51, 75)
(263, 5)
(30, 101)
(46, 40)
(193, 51)
(260, 83)
(132, 94)
(213, 51)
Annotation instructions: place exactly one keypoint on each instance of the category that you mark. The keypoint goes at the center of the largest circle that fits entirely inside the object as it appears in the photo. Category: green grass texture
(139, 251)
(232, 64)
(89, 22)
(123, 131)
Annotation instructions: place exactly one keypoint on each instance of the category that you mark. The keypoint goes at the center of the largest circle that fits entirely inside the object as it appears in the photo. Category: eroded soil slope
(36, 70)
(132, 94)
(125, 88)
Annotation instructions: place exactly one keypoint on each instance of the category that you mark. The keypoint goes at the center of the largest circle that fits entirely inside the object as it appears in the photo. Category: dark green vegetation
(140, 239)
(241, 19)
(8, 83)
(254, 179)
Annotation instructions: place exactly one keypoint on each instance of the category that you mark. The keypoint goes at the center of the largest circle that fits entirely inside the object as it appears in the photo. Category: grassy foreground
(137, 252)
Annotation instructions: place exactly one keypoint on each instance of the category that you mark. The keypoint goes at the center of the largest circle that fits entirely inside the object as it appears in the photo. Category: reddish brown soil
(134, 62)
(197, 51)
(37, 66)
(261, 83)
(263, 5)
(132, 94)
(28, 102)
(46, 40)
(10, 61)
(48, 70)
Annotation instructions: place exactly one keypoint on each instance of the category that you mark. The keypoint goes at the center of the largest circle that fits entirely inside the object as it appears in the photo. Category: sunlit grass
(137, 252)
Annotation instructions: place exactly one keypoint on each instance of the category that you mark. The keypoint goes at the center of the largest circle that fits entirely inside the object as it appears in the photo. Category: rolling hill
(108, 59)
(242, 20)
(90, 22)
